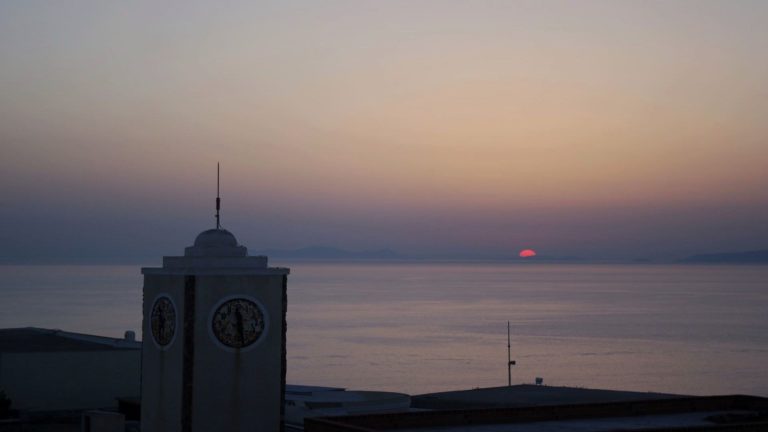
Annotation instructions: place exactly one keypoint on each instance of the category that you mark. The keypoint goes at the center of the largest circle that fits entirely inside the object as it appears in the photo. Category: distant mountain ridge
(748, 257)
(331, 253)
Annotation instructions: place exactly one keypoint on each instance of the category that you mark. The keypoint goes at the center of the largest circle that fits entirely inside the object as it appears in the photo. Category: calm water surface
(427, 327)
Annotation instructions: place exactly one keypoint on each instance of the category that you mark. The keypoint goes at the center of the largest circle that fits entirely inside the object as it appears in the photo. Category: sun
(527, 253)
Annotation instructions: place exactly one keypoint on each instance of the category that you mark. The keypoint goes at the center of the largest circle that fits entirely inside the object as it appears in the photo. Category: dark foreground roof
(528, 395)
(32, 339)
(707, 413)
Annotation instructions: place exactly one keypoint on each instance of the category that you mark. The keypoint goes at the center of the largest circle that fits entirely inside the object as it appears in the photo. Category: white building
(54, 370)
(214, 356)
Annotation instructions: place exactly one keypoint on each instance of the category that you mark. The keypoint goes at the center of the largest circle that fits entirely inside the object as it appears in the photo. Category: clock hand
(161, 324)
(240, 330)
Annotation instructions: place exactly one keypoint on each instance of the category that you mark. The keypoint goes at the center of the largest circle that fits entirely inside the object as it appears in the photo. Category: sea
(418, 327)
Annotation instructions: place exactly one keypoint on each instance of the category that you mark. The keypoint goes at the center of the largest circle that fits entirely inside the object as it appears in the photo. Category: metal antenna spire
(218, 199)
(510, 362)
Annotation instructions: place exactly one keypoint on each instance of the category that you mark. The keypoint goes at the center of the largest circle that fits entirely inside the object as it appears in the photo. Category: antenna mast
(510, 362)
(218, 199)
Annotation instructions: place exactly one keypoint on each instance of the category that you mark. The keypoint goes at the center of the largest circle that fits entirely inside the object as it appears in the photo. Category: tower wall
(222, 367)
(161, 377)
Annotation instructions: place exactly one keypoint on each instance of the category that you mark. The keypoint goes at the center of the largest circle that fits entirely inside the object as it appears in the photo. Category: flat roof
(33, 339)
(528, 395)
(299, 389)
(605, 424)
(735, 412)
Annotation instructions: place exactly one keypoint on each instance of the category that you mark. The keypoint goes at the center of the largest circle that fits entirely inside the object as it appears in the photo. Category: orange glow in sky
(386, 124)
(527, 253)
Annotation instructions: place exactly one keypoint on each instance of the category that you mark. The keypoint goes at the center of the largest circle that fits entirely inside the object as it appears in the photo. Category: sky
(597, 129)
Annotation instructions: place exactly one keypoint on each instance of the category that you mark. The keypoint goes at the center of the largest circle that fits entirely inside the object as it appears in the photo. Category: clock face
(163, 321)
(238, 323)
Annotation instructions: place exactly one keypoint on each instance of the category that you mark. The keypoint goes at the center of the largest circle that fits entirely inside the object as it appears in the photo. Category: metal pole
(509, 358)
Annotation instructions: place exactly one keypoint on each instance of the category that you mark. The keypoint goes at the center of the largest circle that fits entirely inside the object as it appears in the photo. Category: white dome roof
(216, 242)
(215, 238)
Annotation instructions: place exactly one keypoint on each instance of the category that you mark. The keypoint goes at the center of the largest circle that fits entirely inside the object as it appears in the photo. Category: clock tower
(214, 356)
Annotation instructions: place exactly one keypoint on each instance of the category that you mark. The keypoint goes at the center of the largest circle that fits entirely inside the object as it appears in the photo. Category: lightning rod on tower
(218, 199)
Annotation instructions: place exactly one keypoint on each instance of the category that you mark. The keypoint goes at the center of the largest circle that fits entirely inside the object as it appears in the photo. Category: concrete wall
(161, 378)
(232, 390)
(52, 381)
(244, 386)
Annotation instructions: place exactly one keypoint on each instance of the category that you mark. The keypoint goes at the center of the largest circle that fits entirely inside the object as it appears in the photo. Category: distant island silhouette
(748, 257)
(331, 253)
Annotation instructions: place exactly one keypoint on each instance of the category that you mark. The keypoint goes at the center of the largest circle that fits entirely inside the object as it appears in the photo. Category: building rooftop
(216, 242)
(306, 390)
(215, 252)
(527, 395)
(708, 413)
(33, 339)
